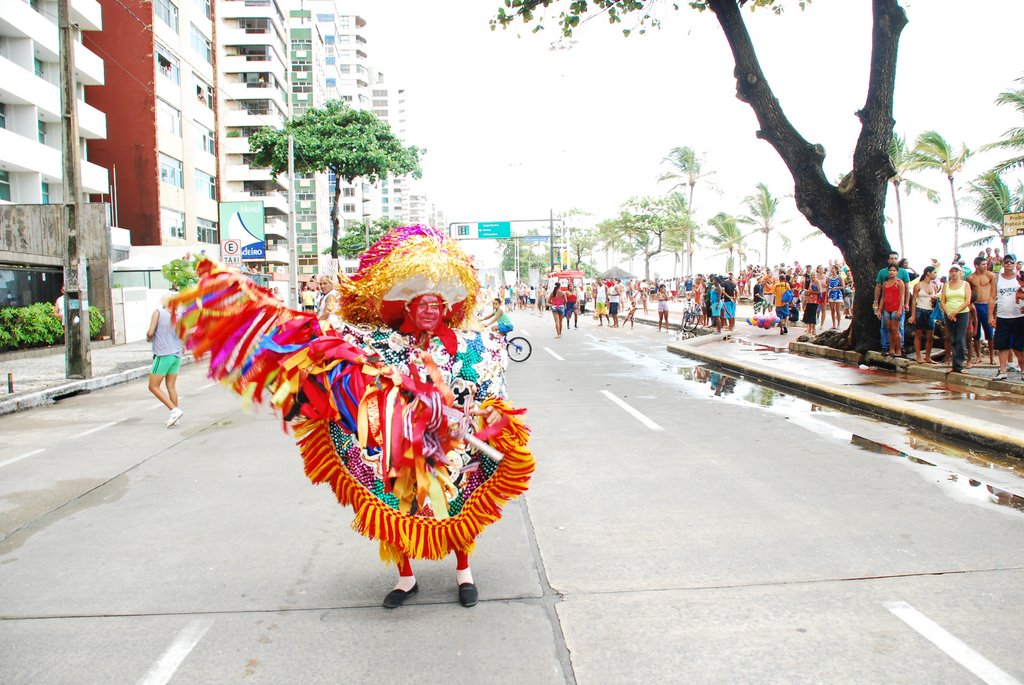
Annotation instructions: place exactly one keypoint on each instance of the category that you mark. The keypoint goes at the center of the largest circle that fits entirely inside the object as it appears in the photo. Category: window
(170, 172)
(44, 187)
(3, 115)
(345, 69)
(39, 68)
(331, 82)
(172, 223)
(205, 139)
(329, 60)
(329, 39)
(41, 129)
(203, 6)
(5, 186)
(168, 118)
(167, 64)
(326, 18)
(204, 91)
(206, 185)
(202, 45)
(348, 192)
(380, 93)
(348, 208)
(167, 11)
(207, 231)
(254, 24)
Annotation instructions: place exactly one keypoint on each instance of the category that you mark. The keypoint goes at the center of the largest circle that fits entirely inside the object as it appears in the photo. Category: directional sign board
(482, 230)
(535, 238)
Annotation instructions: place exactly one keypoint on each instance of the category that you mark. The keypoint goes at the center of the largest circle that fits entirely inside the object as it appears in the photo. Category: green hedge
(36, 326)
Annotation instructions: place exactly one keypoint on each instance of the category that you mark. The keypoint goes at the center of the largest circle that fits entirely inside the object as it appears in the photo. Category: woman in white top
(926, 292)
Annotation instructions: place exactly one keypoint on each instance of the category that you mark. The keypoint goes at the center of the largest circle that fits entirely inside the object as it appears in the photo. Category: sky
(517, 124)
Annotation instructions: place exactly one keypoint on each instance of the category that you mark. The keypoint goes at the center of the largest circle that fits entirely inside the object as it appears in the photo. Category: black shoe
(468, 595)
(396, 598)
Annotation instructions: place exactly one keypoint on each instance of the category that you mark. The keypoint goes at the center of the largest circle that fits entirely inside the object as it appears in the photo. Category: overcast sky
(514, 127)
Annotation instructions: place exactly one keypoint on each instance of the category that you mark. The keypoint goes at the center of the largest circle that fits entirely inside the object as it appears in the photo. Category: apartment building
(160, 104)
(31, 159)
(252, 92)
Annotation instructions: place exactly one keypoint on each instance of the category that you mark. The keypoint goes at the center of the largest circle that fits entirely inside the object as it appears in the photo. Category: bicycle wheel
(519, 349)
(690, 321)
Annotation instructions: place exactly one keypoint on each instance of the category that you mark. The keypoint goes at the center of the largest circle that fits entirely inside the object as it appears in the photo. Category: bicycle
(691, 315)
(519, 348)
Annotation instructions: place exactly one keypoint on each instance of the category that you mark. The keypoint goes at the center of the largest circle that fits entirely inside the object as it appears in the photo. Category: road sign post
(231, 252)
(1013, 224)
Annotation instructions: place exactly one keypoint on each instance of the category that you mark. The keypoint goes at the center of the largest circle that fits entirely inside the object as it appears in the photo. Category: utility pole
(551, 237)
(293, 260)
(77, 355)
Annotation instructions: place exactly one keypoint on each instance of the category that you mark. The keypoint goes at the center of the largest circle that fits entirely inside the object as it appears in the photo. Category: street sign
(1013, 224)
(231, 251)
(494, 229)
(535, 238)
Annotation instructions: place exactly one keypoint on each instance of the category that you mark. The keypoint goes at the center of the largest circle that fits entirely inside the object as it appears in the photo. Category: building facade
(159, 100)
(31, 158)
(252, 78)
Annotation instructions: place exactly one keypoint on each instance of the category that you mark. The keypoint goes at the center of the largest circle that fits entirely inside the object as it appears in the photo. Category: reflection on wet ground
(960, 483)
(731, 388)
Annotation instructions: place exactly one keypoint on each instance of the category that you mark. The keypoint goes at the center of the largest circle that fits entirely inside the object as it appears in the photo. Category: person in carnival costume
(400, 409)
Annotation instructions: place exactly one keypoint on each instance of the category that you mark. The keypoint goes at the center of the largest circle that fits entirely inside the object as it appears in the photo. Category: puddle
(725, 385)
(960, 486)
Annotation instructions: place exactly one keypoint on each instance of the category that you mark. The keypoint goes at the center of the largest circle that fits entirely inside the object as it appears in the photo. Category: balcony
(234, 145)
(92, 123)
(87, 14)
(238, 9)
(240, 117)
(23, 154)
(278, 255)
(88, 66)
(256, 91)
(277, 228)
(236, 36)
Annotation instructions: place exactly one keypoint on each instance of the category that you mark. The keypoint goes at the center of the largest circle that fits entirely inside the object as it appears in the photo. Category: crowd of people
(975, 308)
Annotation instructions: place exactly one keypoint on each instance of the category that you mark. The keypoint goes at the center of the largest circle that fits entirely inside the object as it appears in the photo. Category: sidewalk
(38, 375)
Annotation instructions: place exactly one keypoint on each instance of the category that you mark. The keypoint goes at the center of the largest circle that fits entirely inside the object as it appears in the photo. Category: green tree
(352, 143)
(687, 170)
(528, 258)
(762, 208)
(932, 152)
(850, 214)
(902, 158)
(610, 238)
(724, 234)
(682, 240)
(581, 242)
(180, 273)
(645, 222)
(991, 198)
(353, 242)
(1014, 138)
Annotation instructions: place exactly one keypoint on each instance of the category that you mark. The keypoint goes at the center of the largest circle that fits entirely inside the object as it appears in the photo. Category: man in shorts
(166, 362)
(983, 293)
(1007, 316)
(601, 302)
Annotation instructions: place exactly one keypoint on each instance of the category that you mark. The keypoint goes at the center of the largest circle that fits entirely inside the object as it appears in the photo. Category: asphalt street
(682, 526)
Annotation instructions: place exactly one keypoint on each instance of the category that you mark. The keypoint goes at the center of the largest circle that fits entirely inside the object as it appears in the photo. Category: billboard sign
(243, 221)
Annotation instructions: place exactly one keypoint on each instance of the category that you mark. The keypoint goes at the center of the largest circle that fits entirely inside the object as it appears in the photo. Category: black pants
(957, 332)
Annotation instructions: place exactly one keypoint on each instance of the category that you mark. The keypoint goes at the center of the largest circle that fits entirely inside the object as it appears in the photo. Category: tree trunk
(899, 216)
(956, 218)
(336, 216)
(766, 249)
(852, 214)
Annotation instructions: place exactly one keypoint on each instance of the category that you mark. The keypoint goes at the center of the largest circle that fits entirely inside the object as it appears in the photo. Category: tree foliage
(990, 198)
(353, 242)
(762, 208)
(932, 152)
(349, 142)
(902, 162)
(1013, 139)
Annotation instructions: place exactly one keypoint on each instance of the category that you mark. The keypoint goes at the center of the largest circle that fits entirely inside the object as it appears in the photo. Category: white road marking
(207, 386)
(951, 645)
(22, 456)
(636, 414)
(553, 354)
(163, 670)
(96, 429)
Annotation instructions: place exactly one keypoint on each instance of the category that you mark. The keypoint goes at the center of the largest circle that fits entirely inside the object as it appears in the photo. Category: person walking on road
(601, 302)
(955, 301)
(1008, 316)
(166, 362)
(557, 302)
(570, 307)
(615, 292)
(924, 297)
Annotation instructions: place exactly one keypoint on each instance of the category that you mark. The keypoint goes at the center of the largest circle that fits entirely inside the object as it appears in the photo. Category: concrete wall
(133, 308)
(33, 235)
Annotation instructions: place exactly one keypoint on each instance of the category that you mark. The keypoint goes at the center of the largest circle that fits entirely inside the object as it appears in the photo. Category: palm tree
(991, 199)
(762, 207)
(901, 163)
(684, 236)
(1014, 138)
(687, 169)
(931, 151)
(727, 237)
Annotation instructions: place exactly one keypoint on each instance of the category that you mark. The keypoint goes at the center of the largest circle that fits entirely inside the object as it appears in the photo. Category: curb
(57, 392)
(977, 431)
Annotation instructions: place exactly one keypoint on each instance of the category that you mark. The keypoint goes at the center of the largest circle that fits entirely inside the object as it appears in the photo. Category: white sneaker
(174, 417)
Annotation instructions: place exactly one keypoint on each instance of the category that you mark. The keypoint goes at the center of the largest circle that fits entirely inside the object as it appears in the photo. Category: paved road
(682, 526)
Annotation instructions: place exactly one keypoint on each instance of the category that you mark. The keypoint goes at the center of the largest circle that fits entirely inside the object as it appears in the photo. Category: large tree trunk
(956, 218)
(851, 215)
(336, 217)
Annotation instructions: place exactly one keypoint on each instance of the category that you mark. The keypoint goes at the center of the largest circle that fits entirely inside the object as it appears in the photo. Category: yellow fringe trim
(419, 537)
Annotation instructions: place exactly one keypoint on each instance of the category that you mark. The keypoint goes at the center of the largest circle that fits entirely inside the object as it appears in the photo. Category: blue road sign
(494, 229)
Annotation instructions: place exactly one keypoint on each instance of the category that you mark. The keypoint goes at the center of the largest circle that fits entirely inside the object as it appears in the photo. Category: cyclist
(499, 317)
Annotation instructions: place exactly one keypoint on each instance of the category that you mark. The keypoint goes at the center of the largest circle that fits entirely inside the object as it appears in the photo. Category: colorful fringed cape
(381, 421)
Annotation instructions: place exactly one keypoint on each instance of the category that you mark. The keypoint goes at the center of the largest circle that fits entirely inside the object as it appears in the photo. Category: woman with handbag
(923, 316)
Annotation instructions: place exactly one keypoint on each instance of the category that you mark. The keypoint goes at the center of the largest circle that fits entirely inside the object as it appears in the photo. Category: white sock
(463, 575)
(405, 583)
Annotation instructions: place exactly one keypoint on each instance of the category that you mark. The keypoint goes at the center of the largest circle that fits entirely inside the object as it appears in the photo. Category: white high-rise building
(31, 160)
(252, 69)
